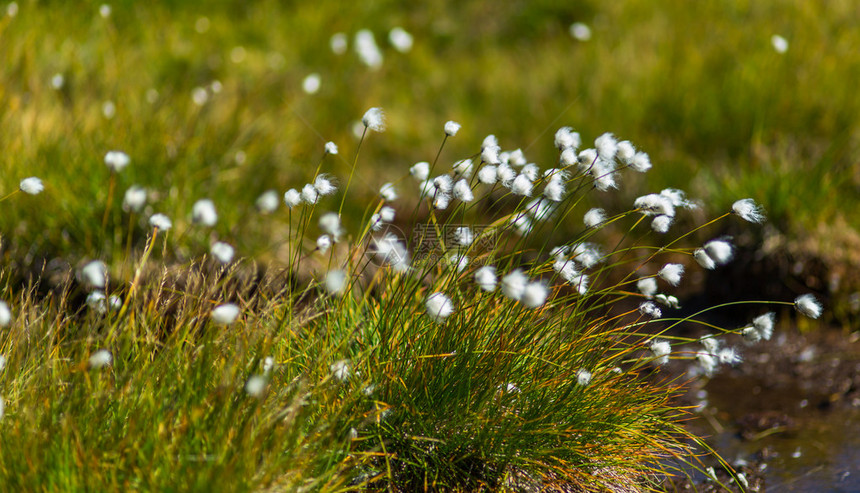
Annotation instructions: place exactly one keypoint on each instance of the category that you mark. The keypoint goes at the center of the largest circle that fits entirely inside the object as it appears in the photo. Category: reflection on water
(801, 444)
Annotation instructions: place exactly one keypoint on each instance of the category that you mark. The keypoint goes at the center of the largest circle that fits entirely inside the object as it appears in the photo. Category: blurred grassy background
(697, 85)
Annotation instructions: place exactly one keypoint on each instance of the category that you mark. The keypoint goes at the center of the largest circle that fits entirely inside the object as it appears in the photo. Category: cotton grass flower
(95, 273)
(661, 350)
(311, 84)
(324, 185)
(267, 202)
(580, 31)
(256, 386)
(535, 294)
(654, 204)
(522, 186)
(367, 50)
(335, 282)
(763, 324)
(594, 217)
(439, 307)
(116, 160)
(808, 305)
(451, 128)
(340, 370)
(554, 190)
(661, 224)
(330, 223)
(672, 273)
(225, 314)
(323, 243)
(11, 11)
(640, 162)
(374, 119)
(459, 261)
(160, 221)
(97, 301)
(100, 359)
(583, 377)
(670, 301)
(420, 171)
(292, 198)
(223, 252)
(704, 259)
(338, 43)
(31, 185)
(780, 44)
(5, 314)
(748, 210)
(463, 235)
(486, 279)
(463, 192)
(647, 286)
(487, 175)
(104, 10)
(566, 138)
(388, 192)
(514, 285)
(721, 251)
(400, 39)
(330, 148)
(203, 212)
(649, 309)
(310, 194)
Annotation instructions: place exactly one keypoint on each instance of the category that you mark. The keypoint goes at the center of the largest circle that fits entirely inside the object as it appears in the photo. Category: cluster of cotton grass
(518, 349)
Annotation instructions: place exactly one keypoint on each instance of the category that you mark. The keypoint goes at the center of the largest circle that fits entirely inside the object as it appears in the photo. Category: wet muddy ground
(788, 416)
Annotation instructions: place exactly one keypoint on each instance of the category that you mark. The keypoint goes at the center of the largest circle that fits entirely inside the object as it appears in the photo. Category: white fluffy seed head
(225, 314)
(763, 324)
(292, 198)
(486, 278)
(387, 213)
(535, 294)
(566, 138)
(116, 160)
(808, 305)
(554, 190)
(654, 204)
(420, 171)
(661, 224)
(95, 273)
(134, 199)
(463, 167)
(100, 359)
(463, 192)
(672, 273)
(487, 175)
(203, 212)
(459, 261)
(606, 146)
(728, 356)
(31, 185)
(340, 370)
(330, 148)
(267, 202)
(517, 158)
(439, 307)
(649, 309)
(451, 128)
(661, 349)
(374, 119)
(566, 269)
(400, 39)
(323, 243)
(640, 162)
(330, 223)
(310, 194)
(586, 158)
(464, 236)
(324, 185)
(748, 210)
(514, 285)
(160, 221)
(594, 217)
(703, 259)
(256, 386)
(780, 44)
(5, 314)
(583, 377)
(506, 174)
(625, 152)
(647, 286)
(223, 252)
(721, 251)
(443, 183)
(335, 282)
(522, 186)
(97, 301)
